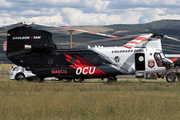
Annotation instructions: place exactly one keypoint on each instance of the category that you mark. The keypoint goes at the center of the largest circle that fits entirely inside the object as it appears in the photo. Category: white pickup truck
(19, 73)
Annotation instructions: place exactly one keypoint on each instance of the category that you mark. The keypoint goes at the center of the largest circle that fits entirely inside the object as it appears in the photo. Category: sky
(87, 12)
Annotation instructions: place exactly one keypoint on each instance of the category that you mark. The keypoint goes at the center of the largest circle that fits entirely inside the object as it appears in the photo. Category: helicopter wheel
(112, 79)
(78, 80)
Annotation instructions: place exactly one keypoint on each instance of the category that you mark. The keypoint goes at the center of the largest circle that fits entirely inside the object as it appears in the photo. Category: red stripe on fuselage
(85, 65)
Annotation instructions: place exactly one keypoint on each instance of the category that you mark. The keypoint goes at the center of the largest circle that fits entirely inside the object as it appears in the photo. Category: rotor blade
(137, 40)
(90, 32)
(45, 25)
(50, 28)
(109, 39)
(165, 36)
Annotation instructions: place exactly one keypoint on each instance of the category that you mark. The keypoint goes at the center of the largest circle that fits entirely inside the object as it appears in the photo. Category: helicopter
(34, 50)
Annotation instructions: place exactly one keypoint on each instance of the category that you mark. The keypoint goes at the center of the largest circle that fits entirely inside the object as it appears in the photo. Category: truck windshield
(15, 69)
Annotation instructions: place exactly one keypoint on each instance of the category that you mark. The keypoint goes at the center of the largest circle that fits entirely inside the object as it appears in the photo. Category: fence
(4, 69)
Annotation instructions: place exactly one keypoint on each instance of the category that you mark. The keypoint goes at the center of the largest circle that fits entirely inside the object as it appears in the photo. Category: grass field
(68, 101)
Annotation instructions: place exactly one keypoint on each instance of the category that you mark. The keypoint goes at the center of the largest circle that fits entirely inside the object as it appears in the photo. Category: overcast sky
(88, 12)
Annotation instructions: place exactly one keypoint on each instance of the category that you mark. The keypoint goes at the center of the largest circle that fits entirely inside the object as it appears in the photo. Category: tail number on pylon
(85, 70)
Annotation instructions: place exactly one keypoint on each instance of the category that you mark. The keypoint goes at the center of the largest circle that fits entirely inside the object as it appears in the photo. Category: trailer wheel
(170, 77)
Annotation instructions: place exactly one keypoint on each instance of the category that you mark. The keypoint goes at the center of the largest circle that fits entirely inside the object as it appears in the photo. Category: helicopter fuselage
(90, 63)
(34, 50)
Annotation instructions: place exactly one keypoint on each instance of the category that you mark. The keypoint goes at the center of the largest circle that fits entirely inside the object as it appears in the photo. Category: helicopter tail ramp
(25, 40)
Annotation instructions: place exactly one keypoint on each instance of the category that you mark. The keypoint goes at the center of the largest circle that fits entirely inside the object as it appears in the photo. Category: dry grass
(60, 101)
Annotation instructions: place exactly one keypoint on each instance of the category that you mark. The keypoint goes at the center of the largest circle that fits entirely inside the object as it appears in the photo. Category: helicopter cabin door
(140, 61)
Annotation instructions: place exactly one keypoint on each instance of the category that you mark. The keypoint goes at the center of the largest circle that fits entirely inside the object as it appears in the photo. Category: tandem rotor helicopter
(34, 50)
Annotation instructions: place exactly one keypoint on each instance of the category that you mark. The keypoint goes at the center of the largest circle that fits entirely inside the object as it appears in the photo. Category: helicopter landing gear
(78, 80)
(112, 79)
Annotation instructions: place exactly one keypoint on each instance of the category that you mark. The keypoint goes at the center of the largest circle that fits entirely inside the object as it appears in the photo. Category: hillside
(162, 24)
(61, 37)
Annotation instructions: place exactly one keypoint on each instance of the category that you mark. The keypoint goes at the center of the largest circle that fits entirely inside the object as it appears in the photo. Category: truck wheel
(19, 76)
(170, 77)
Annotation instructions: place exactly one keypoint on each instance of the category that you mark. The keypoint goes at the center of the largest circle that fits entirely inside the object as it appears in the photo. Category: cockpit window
(162, 55)
(158, 59)
(157, 56)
